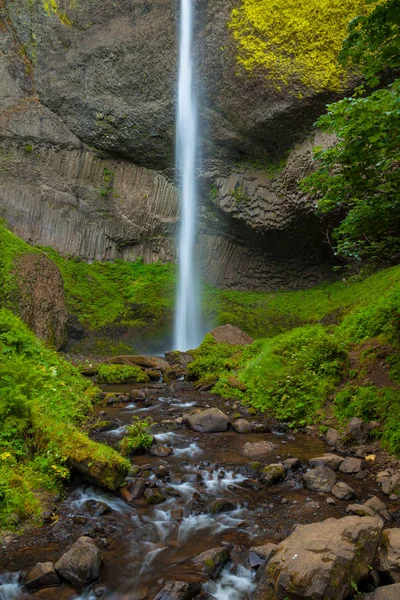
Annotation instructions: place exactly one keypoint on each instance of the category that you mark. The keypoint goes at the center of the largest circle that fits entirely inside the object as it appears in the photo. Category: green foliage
(43, 400)
(121, 374)
(130, 294)
(294, 373)
(210, 358)
(361, 174)
(138, 436)
(294, 42)
(371, 403)
(373, 43)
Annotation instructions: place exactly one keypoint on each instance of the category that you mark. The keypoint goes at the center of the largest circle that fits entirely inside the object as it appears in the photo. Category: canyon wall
(87, 142)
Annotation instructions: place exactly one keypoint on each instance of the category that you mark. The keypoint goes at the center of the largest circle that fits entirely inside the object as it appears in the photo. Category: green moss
(137, 437)
(121, 374)
(43, 402)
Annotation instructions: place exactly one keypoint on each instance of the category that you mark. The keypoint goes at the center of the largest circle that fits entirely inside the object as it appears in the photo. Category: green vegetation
(360, 173)
(43, 400)
(138, 436)
(293, 42)
(128, 294)
(299, 370)
(121, 374)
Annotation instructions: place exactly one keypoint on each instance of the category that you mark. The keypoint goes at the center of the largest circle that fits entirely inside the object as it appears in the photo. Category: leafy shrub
(138, 436)
(121, 374)
(211, 359)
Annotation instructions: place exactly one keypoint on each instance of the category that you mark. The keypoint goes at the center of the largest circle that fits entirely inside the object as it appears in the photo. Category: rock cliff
(87, 142)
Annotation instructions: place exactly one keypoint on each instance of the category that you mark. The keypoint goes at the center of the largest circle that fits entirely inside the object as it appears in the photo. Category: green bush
(138, 436)
(121, 374)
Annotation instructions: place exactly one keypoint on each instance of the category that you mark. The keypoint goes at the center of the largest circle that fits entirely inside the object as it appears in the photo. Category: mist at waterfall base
(188, 328)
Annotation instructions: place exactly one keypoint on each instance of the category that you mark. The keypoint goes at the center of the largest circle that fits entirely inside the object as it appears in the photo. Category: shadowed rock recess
(87, 142)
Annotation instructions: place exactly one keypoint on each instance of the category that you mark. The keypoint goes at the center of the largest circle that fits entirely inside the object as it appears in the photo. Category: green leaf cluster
(137, 437)
(121, 374)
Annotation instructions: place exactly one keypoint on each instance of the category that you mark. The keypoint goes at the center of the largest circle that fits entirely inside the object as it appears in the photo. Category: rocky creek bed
(211, 513)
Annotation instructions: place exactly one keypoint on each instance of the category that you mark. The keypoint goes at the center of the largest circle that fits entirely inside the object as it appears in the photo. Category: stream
(212, 499)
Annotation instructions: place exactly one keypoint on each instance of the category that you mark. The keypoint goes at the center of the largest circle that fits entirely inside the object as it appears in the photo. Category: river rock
(136, 487)
(332, 437)
(389, 555)
(221, 505)
(376, 504)
(333, 461)
(257, 449)
(361, 510)
(264, 553)
(154, 496)
(135, 395)
(387, 592)
(211, 562)
(273, 473)
(321, 561)
(178, 590)
(241, 426)
(160, 450)
(42, 575)
(351, 465)
(342, 491)
(96, 508)
(140, 360)
(321, 479)
(357, 431)
(81, 564)
(292, 464)
(230, 334)
(209, 421)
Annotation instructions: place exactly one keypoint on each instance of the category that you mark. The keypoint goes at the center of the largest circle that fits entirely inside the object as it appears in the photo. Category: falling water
(187, 318)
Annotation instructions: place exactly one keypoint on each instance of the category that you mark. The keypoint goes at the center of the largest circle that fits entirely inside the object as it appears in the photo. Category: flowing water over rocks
(209, 497)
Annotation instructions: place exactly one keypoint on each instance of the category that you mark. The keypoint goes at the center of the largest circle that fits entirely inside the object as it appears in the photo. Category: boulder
(389, 555)
(357, 431)
(257, 449)
(230, 334)
(273, 473)
(160, 450)
(342, 491)
(351, 465)
(321, 479)
(333, 461)
(241, 426)
(388, 592)
(96, 508)
(332, 437)
(81, 564)
(211, 562)
(321, 561)
(42, 575)
(178, 590)
(209, 421)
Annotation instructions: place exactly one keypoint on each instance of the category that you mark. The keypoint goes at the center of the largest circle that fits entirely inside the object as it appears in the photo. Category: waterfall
(187, 317)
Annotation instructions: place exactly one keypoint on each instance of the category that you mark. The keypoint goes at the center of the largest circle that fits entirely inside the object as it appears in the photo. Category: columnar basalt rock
(87, 143)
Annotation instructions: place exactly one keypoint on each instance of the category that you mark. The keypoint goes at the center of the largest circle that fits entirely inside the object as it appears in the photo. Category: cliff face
(87, 142)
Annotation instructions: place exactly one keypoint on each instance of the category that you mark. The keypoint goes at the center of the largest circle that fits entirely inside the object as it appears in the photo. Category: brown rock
(357, 431)
(333, 461)
(332, 437)
(342, 491)
(230, 334)
(361, 510)
(211, 562)
(387, 592)
(209, 421)
(257, 449)
(178, 590)
(273, 473)
(139, 360)
(41, 576)
(320, 561)
(241, 426)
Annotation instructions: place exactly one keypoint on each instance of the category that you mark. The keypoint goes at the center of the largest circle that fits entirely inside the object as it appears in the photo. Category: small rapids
(10, 588)
(232, 586)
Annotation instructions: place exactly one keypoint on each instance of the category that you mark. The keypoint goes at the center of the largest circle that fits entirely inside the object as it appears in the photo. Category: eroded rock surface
(81, 564)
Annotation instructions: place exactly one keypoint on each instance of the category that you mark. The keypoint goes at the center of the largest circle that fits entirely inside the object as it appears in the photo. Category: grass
(121, 374)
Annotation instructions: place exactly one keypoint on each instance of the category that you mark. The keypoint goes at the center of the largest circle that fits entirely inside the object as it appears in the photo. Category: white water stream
(187, 333)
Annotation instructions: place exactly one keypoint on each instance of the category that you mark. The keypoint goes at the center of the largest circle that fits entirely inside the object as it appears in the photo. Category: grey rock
(387, 592)
(41, 576)
(221, 505)
(342, 491)
(292, 464)
(81, 564)
(357, 431)
(241, 426)
(361, 510)
(376, 504)
(389, 554)
(320, 561)
(209, 421)
(333, 461)
(351, 465)
(178, 590)
(321, 479)
(263, 553)
(332, 437)
(273, 473)
(258, 449)
(160, 450)
(96, 508)
(211, 562)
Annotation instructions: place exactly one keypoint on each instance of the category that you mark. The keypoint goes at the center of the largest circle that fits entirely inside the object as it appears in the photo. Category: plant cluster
(121, 374)
(137, 437)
